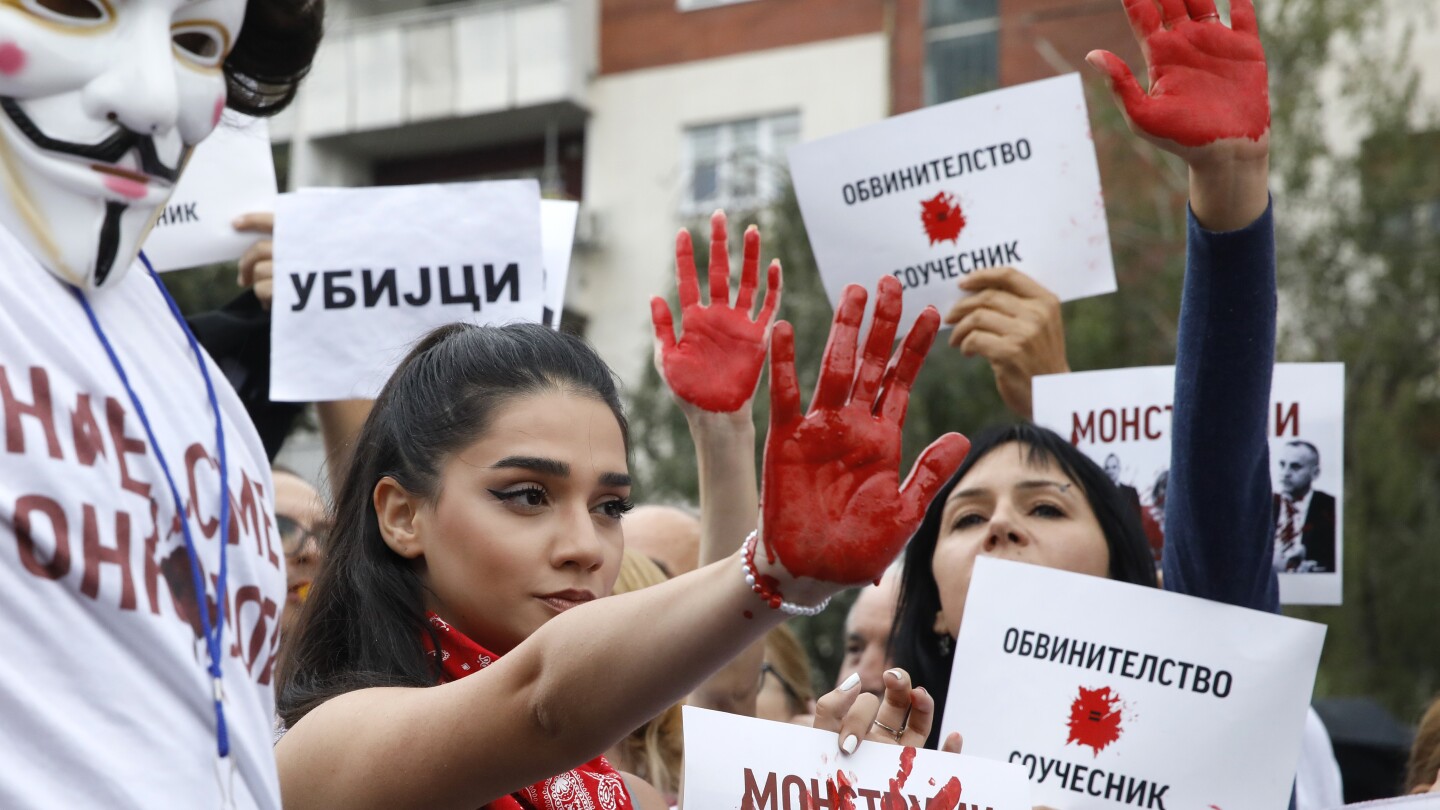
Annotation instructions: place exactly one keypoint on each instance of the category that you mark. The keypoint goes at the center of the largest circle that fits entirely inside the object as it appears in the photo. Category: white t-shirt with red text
(104, 696)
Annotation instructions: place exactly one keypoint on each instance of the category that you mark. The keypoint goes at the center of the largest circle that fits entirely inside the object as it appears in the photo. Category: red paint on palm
(832, 504)
(1208, 82)
(942, 218)
(1095, 719)
(716, 363)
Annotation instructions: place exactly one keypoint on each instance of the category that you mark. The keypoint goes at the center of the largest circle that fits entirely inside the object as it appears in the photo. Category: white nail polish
(896, 674)
(851, 743)
(850, 682)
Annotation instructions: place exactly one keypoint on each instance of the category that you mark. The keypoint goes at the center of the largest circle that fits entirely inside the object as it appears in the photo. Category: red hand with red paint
(832, 504)
(1208, 82)
(715, 365)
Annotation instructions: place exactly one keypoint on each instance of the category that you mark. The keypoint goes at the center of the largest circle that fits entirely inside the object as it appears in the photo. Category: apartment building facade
(651, 113)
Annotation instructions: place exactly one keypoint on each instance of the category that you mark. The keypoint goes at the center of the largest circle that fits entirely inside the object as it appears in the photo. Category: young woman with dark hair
(1030, 495)
(454, 650)
(1025, 494)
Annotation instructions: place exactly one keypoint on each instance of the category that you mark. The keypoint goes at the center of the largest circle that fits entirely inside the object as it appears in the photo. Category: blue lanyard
(214, 635)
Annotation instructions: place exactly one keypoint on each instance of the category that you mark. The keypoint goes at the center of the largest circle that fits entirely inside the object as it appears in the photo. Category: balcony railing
(451, 61)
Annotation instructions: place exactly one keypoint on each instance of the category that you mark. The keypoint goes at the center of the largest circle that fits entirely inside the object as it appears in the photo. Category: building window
(736, 165)
(696, 5)
(962, 48)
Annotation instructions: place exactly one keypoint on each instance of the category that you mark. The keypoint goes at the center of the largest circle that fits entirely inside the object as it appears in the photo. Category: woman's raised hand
(1208, 102)
(1208, 82)
(715, 365)
(832, 505)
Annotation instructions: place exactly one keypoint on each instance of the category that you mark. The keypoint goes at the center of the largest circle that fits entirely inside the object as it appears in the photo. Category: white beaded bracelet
(771, 596)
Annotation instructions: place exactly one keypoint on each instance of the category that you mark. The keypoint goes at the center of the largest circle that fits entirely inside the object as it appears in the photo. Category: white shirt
(104, 697)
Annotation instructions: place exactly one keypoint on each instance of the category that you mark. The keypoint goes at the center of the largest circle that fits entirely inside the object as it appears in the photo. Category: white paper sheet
(1114, 695)
(362, 273)
(232, 172)
(557, 233)
(740, 763)
(1017, 166)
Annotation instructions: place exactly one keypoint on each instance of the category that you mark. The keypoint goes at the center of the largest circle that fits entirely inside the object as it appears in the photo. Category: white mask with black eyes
(101, 102)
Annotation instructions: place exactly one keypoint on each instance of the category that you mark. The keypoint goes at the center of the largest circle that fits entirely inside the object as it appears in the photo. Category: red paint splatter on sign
(894, 799)
(948, 798)
(749, 615)
(1095, 719)
(12, 59)
(942, 218)
(843, 791)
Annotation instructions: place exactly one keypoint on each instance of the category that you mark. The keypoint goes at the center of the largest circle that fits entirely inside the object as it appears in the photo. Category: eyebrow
(556, 469)
(1023, 485)
(544, 466)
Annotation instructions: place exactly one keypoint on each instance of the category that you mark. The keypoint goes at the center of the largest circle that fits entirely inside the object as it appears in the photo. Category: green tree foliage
(1359, 251)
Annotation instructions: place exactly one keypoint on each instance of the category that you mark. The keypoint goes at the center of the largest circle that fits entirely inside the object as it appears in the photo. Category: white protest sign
(232, 172)
(1001, 178)
(740, 763)
(1115, 695)
(361, 274)
(1121, 419)
(557, 236)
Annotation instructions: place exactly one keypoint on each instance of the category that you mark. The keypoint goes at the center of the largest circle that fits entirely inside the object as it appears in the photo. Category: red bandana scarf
(592, 786)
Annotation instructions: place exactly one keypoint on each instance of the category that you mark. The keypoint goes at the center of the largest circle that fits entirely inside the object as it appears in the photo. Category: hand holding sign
(1209, 101)
(257, 264)
(716, 363)
(832, 505)
(903, 717)
(1013, 322)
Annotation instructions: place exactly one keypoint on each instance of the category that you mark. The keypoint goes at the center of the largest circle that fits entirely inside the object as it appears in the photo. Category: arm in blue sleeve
(1218, 533)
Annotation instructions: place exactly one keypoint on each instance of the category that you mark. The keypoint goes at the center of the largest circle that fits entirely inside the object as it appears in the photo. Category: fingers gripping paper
(1002, 178)
(361, 274)
(740, 763)
(1114, 695)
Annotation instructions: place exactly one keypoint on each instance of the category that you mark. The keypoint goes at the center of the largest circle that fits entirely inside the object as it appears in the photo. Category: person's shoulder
(1323, 499)
(643, 795)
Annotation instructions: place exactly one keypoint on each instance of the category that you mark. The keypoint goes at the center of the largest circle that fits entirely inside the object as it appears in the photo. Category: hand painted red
(831, 501)
(716, 364)
(1207, 82)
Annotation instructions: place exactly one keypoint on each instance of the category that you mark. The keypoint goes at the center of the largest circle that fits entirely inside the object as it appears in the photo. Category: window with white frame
(962, 48)
(696, 5)
(737, 164)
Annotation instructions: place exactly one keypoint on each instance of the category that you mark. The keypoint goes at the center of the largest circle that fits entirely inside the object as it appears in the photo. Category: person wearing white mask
(141, 573)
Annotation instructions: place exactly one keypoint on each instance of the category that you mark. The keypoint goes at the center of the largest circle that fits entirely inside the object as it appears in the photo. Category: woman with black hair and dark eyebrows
(455, 650)
(141, 577)
(1026, 494)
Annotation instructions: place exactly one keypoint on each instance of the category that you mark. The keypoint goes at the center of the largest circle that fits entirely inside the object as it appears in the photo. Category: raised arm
(713, 369)
(1208, 103)
(595, 672)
